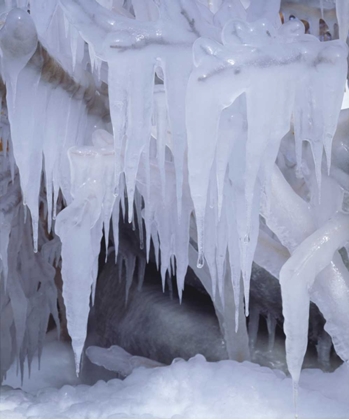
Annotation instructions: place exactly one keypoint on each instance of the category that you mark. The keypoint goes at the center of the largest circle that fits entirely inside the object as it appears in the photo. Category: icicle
(115, 218)
(210, 241)
(130, 268)
(138, 205)
(104, 140)
(342, 11)
(160, 114)
(271, 325)
(121, 193)
(141, 272)
(322, 8)
(318, 104)
(54, 129)
(18, 41)
(80, 228)
(234, 259)
(42, 12)
(221, 251)
(253, 326)
(230, 131)
(139, 88)
(156, 244)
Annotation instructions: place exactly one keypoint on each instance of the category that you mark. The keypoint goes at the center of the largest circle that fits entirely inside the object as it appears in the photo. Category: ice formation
(194, 119)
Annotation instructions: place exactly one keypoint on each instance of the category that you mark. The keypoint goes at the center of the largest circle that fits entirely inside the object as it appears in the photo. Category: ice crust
(190, 109)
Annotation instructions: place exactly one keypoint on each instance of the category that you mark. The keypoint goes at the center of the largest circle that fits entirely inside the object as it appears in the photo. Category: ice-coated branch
(290, 218)
(297, 277)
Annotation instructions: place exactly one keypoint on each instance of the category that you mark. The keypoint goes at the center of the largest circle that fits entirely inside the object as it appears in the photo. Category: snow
(192, 389)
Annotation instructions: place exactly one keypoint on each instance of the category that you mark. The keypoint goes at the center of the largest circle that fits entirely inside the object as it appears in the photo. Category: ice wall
(183, 106)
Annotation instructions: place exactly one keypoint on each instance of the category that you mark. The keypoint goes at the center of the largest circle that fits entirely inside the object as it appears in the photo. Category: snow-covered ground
(190, 389)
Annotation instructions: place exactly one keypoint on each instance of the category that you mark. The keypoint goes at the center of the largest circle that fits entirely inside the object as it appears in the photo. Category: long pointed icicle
(80, 228)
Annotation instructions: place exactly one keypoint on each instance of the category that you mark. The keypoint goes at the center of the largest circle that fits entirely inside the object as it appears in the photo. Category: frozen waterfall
(215, 127)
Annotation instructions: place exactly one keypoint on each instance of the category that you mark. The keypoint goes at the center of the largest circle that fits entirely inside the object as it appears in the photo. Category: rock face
(151, 324)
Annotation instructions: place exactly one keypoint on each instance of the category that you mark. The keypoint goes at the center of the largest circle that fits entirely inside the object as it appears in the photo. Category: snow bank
(193, 389)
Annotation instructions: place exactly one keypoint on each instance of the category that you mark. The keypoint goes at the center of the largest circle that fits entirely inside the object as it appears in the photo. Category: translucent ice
(79, 227)
(118, 360)
(342, 11)
(297, 277)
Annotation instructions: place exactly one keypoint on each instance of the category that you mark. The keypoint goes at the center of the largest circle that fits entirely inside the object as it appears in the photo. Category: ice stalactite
(317, 109)
(222, 74)
(79, 227)
(235, 336)
(65, 114)
(342, 11)
(165, 42)
(161, 214)
(18, 42)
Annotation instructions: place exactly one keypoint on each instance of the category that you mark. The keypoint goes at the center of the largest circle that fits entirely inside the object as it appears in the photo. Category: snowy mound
(193, 389)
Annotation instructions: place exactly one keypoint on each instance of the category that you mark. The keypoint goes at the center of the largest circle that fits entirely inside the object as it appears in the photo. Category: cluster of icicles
(182, 106)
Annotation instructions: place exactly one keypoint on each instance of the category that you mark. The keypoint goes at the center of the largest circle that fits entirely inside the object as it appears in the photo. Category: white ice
(208, 114)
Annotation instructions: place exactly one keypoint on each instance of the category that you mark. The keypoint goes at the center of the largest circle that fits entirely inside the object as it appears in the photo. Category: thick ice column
(297, 277)
(18, 41)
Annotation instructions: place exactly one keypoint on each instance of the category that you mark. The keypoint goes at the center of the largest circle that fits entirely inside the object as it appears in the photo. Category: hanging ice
(222, 74)
(124, 44)
(79, 227)
(190, 100)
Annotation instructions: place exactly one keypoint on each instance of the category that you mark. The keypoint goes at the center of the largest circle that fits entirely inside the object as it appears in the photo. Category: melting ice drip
(200, 99)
